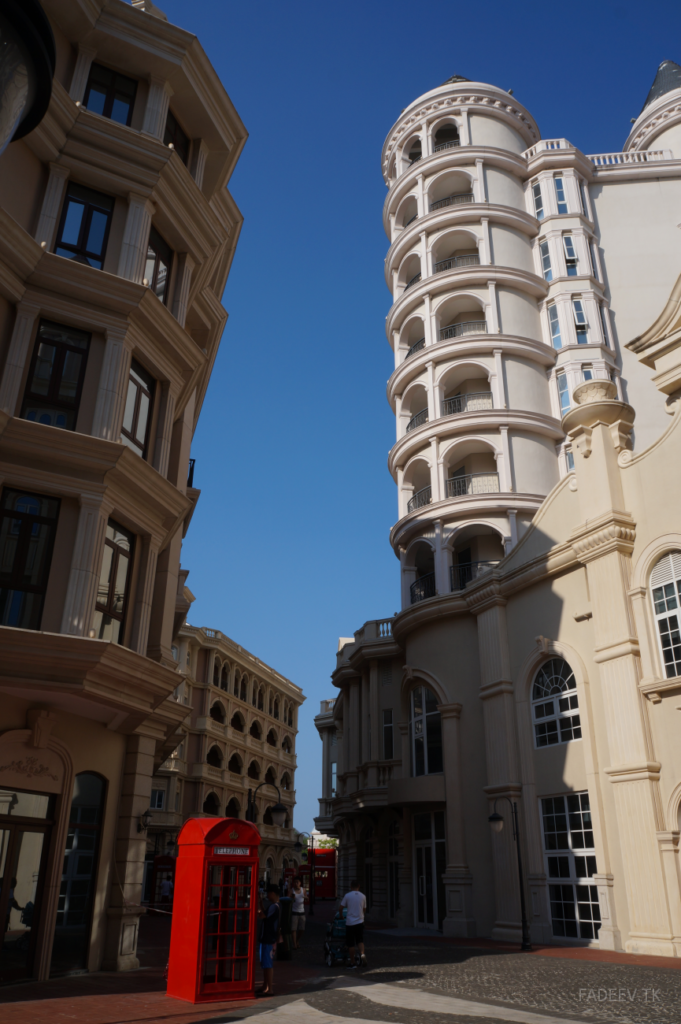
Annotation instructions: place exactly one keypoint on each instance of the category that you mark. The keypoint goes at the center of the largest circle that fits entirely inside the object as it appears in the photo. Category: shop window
(174, 136)
(28, 523)
(555, 706)
(425, 733)
(665, 583)
(137, 414)
(114, 582)
(55, 376)
(110, 94)
(570, 861)
(158, 264)
(84, 226)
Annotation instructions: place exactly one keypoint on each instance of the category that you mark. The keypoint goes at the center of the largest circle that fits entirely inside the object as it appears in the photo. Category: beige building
(536, 659)
(117, 232)
(237, 741)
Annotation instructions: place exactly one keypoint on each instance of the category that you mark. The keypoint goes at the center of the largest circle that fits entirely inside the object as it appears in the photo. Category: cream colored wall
(535, 469)
(511, 249)
(670, 138)
(518, 314)
(526, 385)
(504, 188)
(488, 131)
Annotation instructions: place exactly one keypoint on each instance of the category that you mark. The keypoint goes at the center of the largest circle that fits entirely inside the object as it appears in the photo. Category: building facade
(117, 236)
(535, 660)
(239, 735)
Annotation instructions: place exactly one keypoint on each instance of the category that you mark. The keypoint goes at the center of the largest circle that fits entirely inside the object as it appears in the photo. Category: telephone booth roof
(206, 831)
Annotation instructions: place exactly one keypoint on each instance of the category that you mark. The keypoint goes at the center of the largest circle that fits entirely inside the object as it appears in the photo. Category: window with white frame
(587, 371)
(570, 861)
(554, 324)
(545, 261)
(555, 707)
(560, 195)
(665, 583)
(570, 460)
(604, 323)
(584, 200)
(594, 261)
(580, 321)
(571, 261)
(563, 392)
(538, 201)
(158, 799)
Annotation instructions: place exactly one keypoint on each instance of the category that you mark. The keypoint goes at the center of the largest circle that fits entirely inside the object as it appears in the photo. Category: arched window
(232, 809)
(211, 805)
(268, 820)
(272, 738)
(256, 731)
(254, 695)
(261, 699)
(426, 732)
(237, 722)
(224, 678)
(214, 757)
(243, 695)
(286, 745)
(235, 764)
(217, 712)
(236, 684)
(555, 708)
(216, 674)
(286, 781)
(270, 777)
(665, 583)
(254, 770)
(290, 716)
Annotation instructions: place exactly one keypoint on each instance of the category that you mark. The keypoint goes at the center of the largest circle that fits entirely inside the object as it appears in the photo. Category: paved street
(411, 979)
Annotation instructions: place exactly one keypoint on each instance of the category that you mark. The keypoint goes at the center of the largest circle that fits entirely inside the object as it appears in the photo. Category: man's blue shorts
(266, 955)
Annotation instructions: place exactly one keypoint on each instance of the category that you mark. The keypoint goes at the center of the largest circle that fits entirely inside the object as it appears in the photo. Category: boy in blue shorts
(269, 937)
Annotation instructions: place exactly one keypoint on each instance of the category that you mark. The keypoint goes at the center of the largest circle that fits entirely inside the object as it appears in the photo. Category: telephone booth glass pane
(227, 939)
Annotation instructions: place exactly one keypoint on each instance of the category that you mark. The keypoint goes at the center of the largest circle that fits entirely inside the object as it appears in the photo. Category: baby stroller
(335, 946)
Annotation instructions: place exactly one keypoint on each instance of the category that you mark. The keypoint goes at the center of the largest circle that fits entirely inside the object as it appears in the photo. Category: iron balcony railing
(423, 588)
(415, 280)
(446, 145)
(416, 347)
(410, 220)
(457, 330)
(467, 403)
(456, 261)
(456, 200)
(462, 575)
(473, 483)
(421, 498)
(417, 420)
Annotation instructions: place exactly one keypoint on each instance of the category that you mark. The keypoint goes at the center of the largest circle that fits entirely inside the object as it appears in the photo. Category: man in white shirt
(356, 905)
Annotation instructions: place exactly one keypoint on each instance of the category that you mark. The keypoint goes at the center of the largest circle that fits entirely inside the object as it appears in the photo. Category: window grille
(555, 706)
(665, 583)
(570, 861)
(426, 732)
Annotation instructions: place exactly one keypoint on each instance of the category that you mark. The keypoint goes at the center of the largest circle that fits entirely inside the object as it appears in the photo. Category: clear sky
(288, 549)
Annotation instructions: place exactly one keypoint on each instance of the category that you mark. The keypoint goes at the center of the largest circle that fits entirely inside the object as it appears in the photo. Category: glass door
(430, 863)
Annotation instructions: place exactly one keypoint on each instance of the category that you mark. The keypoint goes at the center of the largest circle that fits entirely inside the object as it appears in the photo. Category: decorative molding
(31, 768)
(614, 531)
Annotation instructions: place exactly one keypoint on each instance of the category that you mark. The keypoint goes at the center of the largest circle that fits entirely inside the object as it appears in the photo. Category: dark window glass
(426, 733)
(79, 876)
(84, 226)
(110, 94)
(114, 579)
(28, 523)
(137, 414)
(157, 267)
(388, 734)
(174, 134)
(55, 377)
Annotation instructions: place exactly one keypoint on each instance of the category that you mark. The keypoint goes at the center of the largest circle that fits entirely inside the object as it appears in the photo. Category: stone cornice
(644, 771)
(484, 594)
(613, 531)
(228, 648)
(452, 509)
(422, 613)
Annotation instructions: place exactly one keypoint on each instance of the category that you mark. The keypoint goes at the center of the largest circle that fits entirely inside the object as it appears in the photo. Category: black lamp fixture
(298, 847)
(279, 811)
(27, 62)
(496, 821)
(144, 822)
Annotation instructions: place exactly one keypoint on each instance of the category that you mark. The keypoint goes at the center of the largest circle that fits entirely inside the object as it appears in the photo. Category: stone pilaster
(156, 112)
(113, 386)
(86, 565)
(17, 356)
(458, 881)
(81, 73)
(183, 280)
(52, 203)
(135, 238)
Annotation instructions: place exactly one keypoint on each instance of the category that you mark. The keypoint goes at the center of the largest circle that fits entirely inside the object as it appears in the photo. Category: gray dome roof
(668, 77)
(454, 79)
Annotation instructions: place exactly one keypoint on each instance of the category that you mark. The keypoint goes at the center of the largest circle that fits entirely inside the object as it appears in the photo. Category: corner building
(536, 655)
(117, 232)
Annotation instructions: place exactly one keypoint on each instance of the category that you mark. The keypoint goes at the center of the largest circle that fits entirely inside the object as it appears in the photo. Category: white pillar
(164, 429)
(433, 413)
(425, 149)
(493, 323)
(86, 564)
(198, 164)
(81, 72)
(426, 269)
(421, 199)
(486, 247)
(429, 331)
(465, 134)
(183, 280)
(52, 200)
(479, 190)
(135, 238)
(147, 560)
(17, 356)
(500, 398)
(513, 526)
(156, 112)
(113, 388)
(506, 475)
(435, 488)
(442, 585)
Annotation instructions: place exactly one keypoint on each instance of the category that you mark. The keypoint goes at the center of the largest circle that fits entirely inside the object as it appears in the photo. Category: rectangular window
(137, 415)
(55, 376)
(594, 261)
(563, 393)
(570, 256)
(538, 202)
(114, 580)
(580, 321)
(175, 136)
(545, 261)
(587, 371)
(560, 195)
(388, 734)
(110, 94)
(28, 523)
(570, 459)
(158, 799)
(604, 323)
(584, 200)
(84, 226)
(570, 862)
(333, 778)
(157, 267)
(554, 324)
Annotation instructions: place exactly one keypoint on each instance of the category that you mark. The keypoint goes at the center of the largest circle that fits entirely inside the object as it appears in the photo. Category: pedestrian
(355, 902)
(269, 936)
(298, 895)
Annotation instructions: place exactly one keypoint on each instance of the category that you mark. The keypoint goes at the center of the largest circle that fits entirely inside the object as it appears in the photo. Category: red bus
(324, 874)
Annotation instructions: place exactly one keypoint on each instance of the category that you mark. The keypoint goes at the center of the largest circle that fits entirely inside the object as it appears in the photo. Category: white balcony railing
(545, 145)
(472, 483)
(645, 156)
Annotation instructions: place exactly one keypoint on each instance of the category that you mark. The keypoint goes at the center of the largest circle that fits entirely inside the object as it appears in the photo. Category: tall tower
(498, 314)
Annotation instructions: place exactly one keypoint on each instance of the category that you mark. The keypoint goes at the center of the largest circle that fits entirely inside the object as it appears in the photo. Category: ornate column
(458, 880)
(135, 238)
(52, 201)
(86, 565)
(198, 163)
(81, 73)
(27, 313)
(164, 428)
(146, 560)
(113, 381)
(156, 111)
(183, 281)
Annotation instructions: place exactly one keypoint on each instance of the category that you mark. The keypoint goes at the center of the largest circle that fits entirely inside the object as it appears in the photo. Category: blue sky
(288, 549)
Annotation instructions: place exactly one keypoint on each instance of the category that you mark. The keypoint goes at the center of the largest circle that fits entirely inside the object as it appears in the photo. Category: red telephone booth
(212, 942)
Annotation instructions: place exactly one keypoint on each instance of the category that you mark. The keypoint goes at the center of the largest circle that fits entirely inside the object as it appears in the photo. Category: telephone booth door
(212, 942)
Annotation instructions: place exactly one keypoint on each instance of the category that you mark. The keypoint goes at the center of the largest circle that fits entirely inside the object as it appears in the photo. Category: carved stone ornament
(30, 768)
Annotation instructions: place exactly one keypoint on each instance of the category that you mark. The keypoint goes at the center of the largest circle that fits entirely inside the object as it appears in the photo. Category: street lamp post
(298, 846)
(278, 811)
(497, 822)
